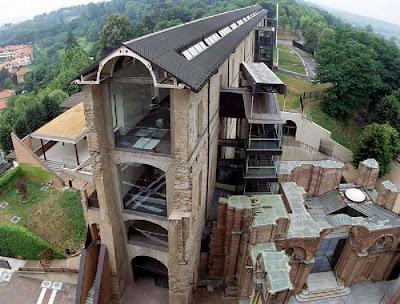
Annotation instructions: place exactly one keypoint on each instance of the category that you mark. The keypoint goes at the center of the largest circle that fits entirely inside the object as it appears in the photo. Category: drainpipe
(208, 146)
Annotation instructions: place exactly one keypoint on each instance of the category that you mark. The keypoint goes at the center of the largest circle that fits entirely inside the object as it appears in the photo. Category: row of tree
(43, 91)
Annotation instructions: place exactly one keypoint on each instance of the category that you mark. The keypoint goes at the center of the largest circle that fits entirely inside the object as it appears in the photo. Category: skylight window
(201, 46)
(187, 55)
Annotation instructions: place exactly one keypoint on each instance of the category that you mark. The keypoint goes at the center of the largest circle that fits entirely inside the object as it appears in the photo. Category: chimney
(367, 173)
(387, 194)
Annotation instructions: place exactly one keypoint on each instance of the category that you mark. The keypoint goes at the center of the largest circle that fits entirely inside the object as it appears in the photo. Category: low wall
(316, 137)
(25, 155)
(87, 272)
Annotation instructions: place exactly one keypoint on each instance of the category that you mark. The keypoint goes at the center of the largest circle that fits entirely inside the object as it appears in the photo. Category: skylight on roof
(195, 50)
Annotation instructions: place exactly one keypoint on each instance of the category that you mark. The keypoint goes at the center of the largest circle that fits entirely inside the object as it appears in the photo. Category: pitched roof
(164, 48)
(6, 93)
(68, 127)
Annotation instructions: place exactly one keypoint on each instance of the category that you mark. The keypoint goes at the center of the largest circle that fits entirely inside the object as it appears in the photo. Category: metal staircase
(90, 295)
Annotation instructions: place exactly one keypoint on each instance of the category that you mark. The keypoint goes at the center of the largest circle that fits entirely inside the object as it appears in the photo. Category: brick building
(184, 132)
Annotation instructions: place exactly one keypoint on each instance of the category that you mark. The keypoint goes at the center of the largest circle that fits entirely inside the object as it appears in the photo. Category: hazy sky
(388, 10)
(18, 10)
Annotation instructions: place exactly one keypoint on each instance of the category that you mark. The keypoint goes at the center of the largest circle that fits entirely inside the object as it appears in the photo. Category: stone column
(368, 171)
(387, 194)
(100, 142)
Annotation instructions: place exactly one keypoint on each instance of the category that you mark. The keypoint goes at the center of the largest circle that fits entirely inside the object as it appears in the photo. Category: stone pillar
(299, 274)
(179, 274)
(387, 194)
(100, 142)
(368, 171)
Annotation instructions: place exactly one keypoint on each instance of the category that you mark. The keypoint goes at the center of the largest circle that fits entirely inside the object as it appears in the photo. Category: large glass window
(143, 189)
(141, 112)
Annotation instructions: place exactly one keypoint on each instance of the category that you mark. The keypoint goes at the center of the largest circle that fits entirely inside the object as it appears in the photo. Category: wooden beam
(76, 154)
(44, 152)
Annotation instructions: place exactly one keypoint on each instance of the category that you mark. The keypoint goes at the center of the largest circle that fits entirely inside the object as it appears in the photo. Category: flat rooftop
(267, 208)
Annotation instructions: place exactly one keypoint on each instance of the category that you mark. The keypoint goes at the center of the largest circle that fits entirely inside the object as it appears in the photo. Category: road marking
(53, 296)
(304, 64)
(41, 296)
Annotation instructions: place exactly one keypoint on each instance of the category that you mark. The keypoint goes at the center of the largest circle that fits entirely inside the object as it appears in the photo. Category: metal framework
(123, 51)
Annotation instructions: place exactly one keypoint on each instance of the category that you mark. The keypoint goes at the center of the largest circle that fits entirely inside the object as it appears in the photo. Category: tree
(21, 127)
(353, 71)
(71, 42)
(35, 116)
(379, 141)
(72, 62)
(51, 108)
(5, 137)
(387, 110)
(163, 24)
(116, 30)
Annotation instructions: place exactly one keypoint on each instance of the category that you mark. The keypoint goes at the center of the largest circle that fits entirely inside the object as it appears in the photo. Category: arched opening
(289, 129)
(145, 268)
(296, 254)
(147, 234)
(329, 251)
(383, 243)
(140, 111)
(143, 188)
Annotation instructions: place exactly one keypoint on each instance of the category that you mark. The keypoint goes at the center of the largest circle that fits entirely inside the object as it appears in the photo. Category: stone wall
(25, 155)
(318, 138)
(315, 177)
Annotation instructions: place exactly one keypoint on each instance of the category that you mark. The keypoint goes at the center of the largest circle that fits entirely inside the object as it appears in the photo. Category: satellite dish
(355, 195)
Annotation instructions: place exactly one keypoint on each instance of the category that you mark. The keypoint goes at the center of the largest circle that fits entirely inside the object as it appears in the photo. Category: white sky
(19, 10)
(388, 10)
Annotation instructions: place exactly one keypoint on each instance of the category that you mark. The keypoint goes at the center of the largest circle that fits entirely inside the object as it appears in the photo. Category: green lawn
(289, 60)
(296, 87)
(55, 216)
(343, 131)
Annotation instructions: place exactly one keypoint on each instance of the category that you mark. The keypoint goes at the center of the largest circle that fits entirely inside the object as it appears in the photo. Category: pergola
(67, 128)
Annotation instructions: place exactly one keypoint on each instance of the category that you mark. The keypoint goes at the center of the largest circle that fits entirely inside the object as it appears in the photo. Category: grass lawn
(289, 60)
(296, 87)
(343, 132)
(54, 215)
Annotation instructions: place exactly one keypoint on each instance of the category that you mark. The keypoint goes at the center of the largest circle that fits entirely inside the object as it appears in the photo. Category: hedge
(8, 179)
(17, 241)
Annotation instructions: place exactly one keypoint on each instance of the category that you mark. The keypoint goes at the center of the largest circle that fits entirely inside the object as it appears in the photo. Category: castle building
(185, 136)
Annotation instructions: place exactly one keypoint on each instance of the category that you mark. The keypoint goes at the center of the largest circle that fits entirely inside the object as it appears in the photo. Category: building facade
(154, 143)
(184, 133)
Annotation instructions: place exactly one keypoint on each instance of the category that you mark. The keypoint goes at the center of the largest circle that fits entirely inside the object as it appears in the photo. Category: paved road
(309, 62)
(15, 289)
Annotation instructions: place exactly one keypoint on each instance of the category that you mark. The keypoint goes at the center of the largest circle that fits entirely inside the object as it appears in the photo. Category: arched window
(289, 128)
(296, 254)
(143, 188)
(383, 243)
(147, 233)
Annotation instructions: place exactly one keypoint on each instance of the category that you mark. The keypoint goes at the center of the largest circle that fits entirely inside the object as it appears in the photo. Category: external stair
(54, 165)
(322, 286)
(90, 295)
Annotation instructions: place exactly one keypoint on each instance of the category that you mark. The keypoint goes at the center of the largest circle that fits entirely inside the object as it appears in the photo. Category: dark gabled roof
(164, 48)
